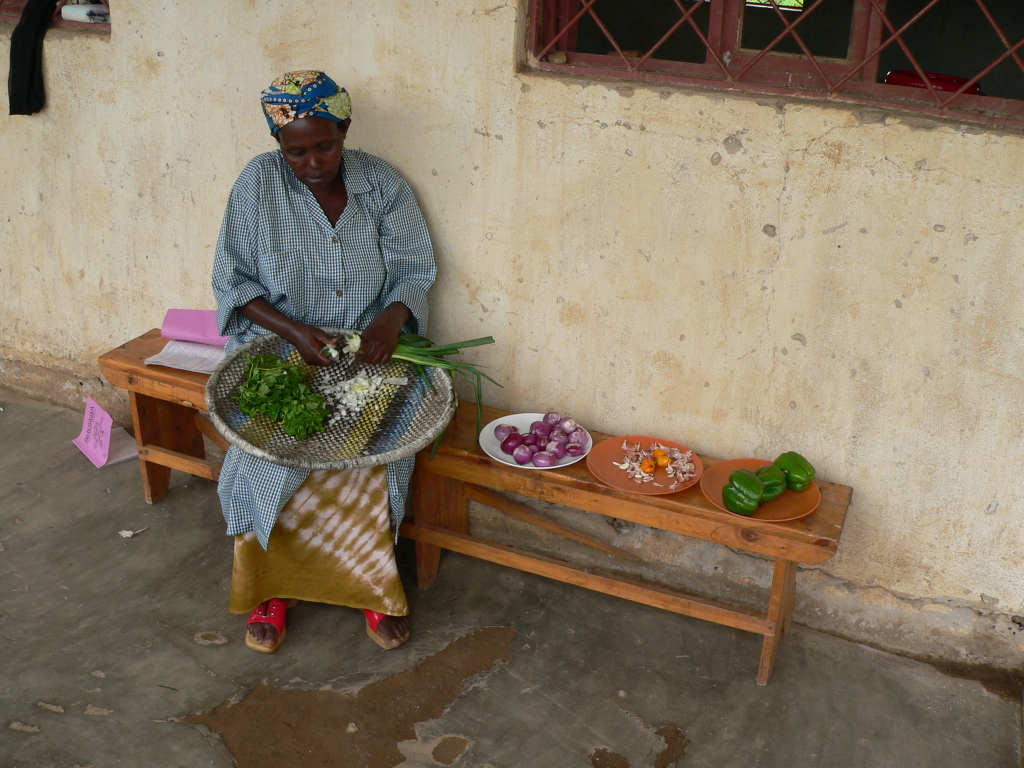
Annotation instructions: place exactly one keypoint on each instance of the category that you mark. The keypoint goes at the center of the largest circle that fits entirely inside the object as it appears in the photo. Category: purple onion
(552, 418)
(504, 430)
(574, 449)
(533, 448)
(544, 459)
(556, 448)
(530, 439)
(578, 435)
(559, 436)
(511, 442)
(522, 454)
(540, 428)
(567, 425)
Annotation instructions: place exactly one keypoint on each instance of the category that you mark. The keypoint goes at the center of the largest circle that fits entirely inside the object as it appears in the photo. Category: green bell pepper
(799, 472)
(774, 480)
(742, 494)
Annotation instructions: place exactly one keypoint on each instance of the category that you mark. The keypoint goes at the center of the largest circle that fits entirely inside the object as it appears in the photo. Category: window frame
(728, 67)
(10, 13)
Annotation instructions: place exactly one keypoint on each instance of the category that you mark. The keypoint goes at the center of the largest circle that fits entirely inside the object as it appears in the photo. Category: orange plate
(602, 456)
(789, 506)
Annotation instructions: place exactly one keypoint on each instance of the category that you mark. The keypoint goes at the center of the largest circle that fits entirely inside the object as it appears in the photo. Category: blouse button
(339, 292)
(335, 239)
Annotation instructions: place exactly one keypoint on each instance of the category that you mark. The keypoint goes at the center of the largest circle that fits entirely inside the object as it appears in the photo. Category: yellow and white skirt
(332, 544)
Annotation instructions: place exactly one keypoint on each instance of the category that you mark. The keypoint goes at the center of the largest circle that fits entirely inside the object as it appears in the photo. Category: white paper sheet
(122, 447)
(188, 356)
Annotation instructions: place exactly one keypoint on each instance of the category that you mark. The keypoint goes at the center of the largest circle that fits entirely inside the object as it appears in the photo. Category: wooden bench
(167, 407)
(461, 472)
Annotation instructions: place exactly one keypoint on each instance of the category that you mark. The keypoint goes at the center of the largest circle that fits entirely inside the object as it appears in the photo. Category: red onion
(556, 448)
(559, 436)
(540, 428)
(533, 448)
(544, 459)
(578, 435)
(511, 442)
(530, 439)
(574, 449)
(567, 425)
(504, 430)
(522, 454)
(552, 418)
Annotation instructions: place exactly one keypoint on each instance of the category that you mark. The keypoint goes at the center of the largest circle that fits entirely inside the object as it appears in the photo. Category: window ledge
(868, 110)
(61, 29)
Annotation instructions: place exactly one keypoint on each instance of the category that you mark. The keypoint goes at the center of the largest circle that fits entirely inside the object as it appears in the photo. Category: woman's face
(312, 148)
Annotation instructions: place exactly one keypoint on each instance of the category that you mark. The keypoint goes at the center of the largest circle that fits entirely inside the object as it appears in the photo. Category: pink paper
(198, 325)
(95, 438)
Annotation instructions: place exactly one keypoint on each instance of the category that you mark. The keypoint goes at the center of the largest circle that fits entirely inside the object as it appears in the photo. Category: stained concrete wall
(743, 275)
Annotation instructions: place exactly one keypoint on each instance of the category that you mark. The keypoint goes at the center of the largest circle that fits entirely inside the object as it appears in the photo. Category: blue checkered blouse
(277, 243)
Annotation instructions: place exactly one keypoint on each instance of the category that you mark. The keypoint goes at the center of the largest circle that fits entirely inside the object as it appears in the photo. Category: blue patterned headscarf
(309, 93)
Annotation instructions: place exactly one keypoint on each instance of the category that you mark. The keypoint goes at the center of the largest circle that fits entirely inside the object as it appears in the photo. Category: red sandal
(373, 620)
(273, 612)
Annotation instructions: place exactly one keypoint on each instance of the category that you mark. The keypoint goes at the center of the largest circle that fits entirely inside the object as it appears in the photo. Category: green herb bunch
(277, 389)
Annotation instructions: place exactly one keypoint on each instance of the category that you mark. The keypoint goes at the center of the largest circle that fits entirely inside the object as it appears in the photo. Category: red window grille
(958, 59)
(10, 12)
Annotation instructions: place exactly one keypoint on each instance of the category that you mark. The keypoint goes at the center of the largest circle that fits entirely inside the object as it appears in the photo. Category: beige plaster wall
(745, 276)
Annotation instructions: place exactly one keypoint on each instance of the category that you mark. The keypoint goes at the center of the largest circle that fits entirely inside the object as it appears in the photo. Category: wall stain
(572, 313)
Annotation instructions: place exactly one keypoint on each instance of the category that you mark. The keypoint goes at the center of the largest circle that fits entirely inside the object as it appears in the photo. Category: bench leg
(780, 611)
(437, 501)
(166, 425)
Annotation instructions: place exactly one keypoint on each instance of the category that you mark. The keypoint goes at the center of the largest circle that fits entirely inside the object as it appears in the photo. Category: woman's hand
(308, 339)
(381, 336)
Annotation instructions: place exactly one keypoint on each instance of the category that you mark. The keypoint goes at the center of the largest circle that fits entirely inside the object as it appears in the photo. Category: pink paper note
(95, 438)
(198, 325)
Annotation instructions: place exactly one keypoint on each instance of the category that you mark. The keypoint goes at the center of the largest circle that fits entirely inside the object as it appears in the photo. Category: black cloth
(25, 83)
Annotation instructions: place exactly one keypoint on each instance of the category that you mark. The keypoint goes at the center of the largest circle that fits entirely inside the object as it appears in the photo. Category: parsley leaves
(278, 390)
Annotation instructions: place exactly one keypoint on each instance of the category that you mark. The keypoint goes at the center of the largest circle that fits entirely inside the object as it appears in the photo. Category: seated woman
(316, 235)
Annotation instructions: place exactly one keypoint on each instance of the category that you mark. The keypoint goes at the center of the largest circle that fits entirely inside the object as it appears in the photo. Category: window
(10, 11)
(947, 58)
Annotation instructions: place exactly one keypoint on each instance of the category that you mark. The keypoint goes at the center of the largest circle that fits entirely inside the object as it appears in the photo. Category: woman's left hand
(381, 336)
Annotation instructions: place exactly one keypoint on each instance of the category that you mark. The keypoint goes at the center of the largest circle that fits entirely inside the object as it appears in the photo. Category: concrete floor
(106, 628)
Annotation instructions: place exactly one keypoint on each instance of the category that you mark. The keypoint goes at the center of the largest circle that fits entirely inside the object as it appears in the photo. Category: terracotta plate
(789, 506)
(522, 422)
(601, 462)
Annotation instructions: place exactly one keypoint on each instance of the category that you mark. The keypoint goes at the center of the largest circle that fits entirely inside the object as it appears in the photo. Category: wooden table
(167, 406)
(461, 472)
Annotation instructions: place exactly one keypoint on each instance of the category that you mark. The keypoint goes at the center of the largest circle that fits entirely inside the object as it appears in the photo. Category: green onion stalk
(422, 353)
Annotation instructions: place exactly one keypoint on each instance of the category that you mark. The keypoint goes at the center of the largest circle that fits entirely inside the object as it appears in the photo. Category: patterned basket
(400, 421)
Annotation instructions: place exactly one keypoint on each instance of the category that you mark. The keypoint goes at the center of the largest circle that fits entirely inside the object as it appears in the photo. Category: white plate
(522, 422)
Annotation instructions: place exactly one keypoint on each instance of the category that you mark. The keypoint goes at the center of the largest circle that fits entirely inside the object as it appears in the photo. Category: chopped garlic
(349, 397)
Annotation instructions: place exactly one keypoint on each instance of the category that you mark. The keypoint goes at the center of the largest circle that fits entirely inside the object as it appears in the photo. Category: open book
(195, 341)
(102, 442)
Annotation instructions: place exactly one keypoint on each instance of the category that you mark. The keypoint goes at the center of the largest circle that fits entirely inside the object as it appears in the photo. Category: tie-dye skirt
(332, 544)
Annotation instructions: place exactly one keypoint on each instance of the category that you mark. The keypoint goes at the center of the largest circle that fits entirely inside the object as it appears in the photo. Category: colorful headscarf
(309, 93)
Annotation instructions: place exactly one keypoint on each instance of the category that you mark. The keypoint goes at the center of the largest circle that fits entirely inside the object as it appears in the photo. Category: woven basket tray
(400, 421)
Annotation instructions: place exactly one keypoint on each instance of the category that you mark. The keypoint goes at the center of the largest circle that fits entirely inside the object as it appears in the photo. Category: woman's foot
(267, 626)
(387, 631)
